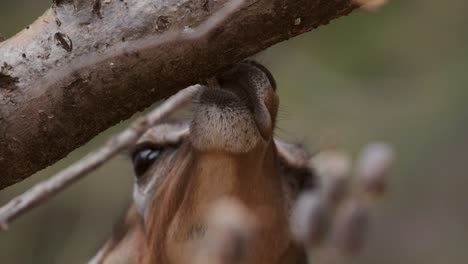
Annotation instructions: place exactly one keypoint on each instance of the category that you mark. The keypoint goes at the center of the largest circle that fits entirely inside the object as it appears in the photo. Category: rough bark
(87, 64)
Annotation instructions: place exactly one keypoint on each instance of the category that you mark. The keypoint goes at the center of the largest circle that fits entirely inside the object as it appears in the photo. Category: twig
(47, 189)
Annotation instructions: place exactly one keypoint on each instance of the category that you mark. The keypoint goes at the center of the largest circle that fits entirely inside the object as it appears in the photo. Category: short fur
(228, 152)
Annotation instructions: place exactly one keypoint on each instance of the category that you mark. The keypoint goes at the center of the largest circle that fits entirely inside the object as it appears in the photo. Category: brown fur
(185, 196)
(229, 153)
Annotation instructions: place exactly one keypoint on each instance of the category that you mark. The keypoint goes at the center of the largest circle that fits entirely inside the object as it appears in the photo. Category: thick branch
(83, 67)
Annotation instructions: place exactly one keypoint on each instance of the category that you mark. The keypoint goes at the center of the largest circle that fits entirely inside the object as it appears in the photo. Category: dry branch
(47, 189)
(81, 67)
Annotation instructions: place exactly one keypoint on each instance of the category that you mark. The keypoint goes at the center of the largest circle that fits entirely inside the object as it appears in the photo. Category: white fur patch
(224, 128)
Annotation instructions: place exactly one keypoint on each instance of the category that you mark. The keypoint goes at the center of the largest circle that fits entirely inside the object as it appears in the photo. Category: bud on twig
(310, 219)
(334, 169)
(370, 5)
(350, 228)
(373, 169)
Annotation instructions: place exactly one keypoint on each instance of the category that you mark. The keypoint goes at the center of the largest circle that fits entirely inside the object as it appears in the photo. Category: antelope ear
(293, 155)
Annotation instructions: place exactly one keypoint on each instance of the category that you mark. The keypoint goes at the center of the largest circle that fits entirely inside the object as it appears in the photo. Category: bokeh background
(398, 75)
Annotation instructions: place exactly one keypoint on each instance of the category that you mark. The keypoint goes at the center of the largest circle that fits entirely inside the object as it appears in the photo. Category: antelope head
(226, 151)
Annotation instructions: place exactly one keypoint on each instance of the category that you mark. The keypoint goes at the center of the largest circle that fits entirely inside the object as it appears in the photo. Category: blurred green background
(398, 75)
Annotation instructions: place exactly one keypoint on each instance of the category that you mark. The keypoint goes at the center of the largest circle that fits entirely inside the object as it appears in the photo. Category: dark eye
(144, 155)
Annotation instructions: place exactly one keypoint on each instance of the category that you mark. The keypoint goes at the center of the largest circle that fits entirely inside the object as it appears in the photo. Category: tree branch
(82, 67)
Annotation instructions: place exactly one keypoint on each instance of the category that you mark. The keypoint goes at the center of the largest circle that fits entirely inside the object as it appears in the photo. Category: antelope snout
(238, 115)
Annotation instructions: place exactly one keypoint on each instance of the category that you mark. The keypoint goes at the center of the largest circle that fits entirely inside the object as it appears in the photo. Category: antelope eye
(143, 157)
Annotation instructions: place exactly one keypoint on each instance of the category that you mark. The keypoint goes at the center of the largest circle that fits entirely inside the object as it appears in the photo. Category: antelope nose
(239, 114)
(253, 81)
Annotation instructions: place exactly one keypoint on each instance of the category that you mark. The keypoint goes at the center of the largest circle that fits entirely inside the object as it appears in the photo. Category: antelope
(226, 151)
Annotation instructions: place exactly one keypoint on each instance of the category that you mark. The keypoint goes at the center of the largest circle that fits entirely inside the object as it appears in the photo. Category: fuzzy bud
(373, 169)
(370, 5)
(334, 169)
(310, 219)
(350, 228)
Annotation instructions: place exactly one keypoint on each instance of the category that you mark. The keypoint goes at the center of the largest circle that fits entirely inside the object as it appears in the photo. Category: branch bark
(86, 65)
